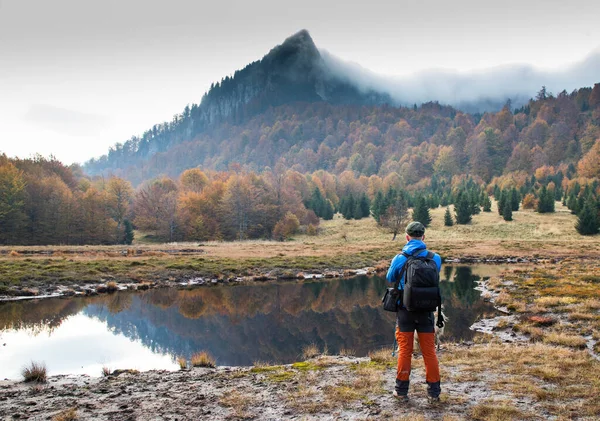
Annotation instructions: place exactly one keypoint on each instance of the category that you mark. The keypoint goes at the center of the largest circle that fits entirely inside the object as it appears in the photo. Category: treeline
(43, 201)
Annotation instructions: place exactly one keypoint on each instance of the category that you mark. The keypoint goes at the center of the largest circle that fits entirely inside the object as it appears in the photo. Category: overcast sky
(78, 76)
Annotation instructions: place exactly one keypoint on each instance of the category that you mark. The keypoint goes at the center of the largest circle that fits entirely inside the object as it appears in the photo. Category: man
(409, 321)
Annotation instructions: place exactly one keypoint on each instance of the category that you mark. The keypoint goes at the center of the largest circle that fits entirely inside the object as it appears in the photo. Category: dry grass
(239, 403)
(555, 301)
(497, 411)
(565, 340)
(182, 363)
(383, 356)
(310, 351)
(203, 359)
(66, 415)
(347, 352)
(35, 372)
(111, 287)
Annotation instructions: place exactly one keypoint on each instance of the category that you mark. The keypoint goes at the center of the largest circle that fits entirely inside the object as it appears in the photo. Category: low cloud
(472, 91)
(64, 121)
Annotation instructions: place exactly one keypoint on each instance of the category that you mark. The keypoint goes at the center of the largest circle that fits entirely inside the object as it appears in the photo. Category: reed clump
(203, 359)
(35, 372)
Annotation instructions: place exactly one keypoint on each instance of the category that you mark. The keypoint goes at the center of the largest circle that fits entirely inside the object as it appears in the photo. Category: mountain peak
(297, 49)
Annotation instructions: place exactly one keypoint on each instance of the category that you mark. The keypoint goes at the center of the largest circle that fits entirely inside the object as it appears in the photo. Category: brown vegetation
(203, 359)
(35, 372)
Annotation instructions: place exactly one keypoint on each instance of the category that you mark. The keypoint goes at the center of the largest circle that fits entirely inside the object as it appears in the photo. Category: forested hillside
(415, 142)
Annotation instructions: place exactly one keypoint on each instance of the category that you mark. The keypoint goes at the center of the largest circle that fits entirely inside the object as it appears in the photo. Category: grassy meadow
(340, 244)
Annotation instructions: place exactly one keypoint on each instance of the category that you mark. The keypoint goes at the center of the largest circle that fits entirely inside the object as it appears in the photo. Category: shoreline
(32, 291)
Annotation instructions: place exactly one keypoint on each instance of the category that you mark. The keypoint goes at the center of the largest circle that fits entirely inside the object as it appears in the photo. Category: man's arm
(395, 269)
(438, 261)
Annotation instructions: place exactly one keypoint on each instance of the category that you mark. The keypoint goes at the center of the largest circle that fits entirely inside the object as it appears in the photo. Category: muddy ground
(322, 389)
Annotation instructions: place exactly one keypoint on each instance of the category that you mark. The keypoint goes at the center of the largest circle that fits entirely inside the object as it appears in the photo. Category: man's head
(415, 231)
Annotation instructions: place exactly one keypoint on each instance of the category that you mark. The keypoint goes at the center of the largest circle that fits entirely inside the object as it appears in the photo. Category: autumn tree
(589, 165)
(155, 208)
(193, 180)
(396, 215)
(12, 201)
(119, 198)
(287, 227)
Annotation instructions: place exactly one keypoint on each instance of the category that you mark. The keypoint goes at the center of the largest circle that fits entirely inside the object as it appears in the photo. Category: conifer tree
(475, 209)
(573, 204)
(328, 210)
(487, 204)
(347, 206)
(588, 222)
(378, 206)
(462, 209)
(545, 201)
(421, 211)
(128, 235)
(501, 201)
(515, 199)
(448, 221)
(365, 206)
(507, 211)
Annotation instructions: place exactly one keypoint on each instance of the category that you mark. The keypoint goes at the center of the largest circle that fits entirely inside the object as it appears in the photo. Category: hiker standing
(415, 272)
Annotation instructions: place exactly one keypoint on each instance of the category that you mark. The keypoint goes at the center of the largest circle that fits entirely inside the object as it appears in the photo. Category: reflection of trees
(240, 324)
(118, 302)
(38, 315)
(462, 303)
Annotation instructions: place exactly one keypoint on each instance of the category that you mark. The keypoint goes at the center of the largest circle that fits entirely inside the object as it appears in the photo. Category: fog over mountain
(476, 91)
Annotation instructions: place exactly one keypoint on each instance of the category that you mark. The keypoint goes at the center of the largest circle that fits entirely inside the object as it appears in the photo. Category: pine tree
(573, 204)
(588, 222)
(328, 213)
(545, 201)
(421, 211)
(128, 235)
(487, 204)
(365, 206)
(475, 209)
(507, 211)
(515, 199)
(448, 221)
(462, 209)
(378, 206)
(347, 207)
(501, 201)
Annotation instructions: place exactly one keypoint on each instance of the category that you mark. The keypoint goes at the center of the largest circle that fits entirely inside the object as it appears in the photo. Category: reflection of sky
(80, 345)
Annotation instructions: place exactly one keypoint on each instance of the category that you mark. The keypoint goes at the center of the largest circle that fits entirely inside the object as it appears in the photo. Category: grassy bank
(341, 244)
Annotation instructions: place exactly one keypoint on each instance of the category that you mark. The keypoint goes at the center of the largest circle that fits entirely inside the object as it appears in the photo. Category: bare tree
(396, 216)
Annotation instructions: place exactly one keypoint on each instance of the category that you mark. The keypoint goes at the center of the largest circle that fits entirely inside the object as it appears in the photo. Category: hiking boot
(401, 398)
(433, 399)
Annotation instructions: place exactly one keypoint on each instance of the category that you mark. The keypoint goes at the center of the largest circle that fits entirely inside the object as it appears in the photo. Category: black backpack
(421, 283)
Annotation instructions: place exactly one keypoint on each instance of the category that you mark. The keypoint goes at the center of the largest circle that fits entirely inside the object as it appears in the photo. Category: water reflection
(239, 324)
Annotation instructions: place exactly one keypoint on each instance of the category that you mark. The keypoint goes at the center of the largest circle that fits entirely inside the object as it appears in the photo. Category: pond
(238, 325)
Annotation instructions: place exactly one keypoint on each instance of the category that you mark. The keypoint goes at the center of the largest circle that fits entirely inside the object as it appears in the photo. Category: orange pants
(405, 344)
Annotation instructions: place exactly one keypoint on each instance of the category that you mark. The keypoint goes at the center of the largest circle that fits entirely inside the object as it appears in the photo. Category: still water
(238, 325)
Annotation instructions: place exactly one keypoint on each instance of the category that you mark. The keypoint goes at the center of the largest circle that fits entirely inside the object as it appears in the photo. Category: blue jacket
(412, 248)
